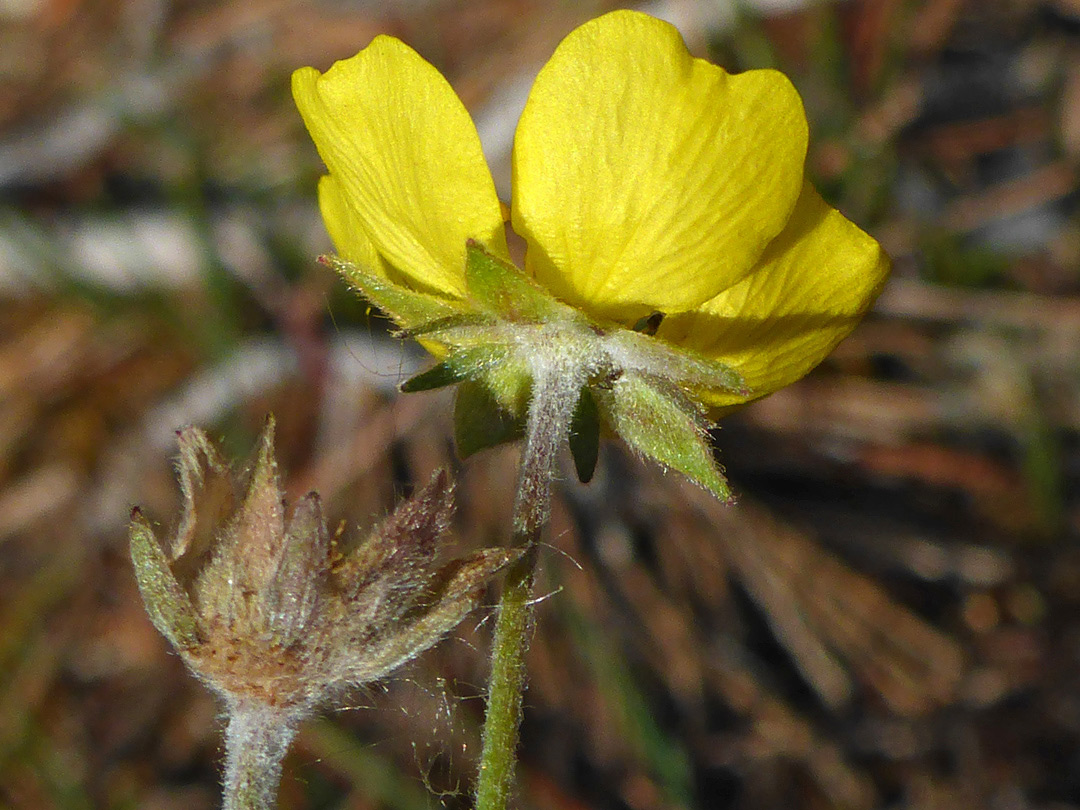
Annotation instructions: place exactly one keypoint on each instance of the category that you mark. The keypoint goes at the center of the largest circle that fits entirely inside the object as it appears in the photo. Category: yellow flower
(661, 198)
(644, 180)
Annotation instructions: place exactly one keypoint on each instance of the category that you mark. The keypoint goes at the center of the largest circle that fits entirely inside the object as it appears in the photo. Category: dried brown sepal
(423, 617)
(294, 594)
(231, 591)
(400, 552)
(209, 497)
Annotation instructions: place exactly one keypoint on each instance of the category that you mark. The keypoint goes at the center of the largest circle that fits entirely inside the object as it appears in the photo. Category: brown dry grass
(888, 618)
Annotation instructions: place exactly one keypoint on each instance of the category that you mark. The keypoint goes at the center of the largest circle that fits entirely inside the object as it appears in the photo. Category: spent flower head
(271, 609)
(678, 263)
(277, 615)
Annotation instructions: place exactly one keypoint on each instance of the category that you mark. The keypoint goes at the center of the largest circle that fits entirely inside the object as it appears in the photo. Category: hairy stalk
(554, 394)
(255, 743)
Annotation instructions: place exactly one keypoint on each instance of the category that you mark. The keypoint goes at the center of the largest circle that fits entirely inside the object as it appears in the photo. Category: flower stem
(255, 743)
(554, 394)
(506, 689)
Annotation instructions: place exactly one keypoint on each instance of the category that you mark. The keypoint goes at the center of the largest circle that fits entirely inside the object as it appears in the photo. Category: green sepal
(462, 364)
(458, 328)
(480, 421)
(439, 375)
(663, 424)
(509, 382)
(409, 309)
(585, 436)
(683, 366)
(498, 286)
(167, 603)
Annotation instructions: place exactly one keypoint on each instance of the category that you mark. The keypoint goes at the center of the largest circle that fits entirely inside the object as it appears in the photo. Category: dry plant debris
(889, 617)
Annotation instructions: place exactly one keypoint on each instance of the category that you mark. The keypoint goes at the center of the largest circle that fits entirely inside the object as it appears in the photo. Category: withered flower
(277, 617)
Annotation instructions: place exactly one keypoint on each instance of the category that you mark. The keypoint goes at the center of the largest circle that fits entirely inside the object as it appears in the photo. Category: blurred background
(889, 618)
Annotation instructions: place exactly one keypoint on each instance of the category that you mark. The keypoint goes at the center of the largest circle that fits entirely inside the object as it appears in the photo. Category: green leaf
(481, 422)
(661, 423)
(409, 309)
(498, 286)
(462, 364)
(585, 436)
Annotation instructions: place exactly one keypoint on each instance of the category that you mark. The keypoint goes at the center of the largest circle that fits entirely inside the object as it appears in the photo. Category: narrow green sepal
(457, 328)
(167, 603)
(585, 436)
(461, 365)
(664, 425)
(438, 376)
(481, 422)
(681, 365)
(407, 308)
(500, 287)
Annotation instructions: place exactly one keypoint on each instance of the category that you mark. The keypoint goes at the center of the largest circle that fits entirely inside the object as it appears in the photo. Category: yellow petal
(645, 179)
(345, 227)
(406, 158)
(812, 285)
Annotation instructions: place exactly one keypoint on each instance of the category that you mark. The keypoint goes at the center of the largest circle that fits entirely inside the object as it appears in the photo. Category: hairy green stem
(255, 744)
(506, 689)
(554, 395)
